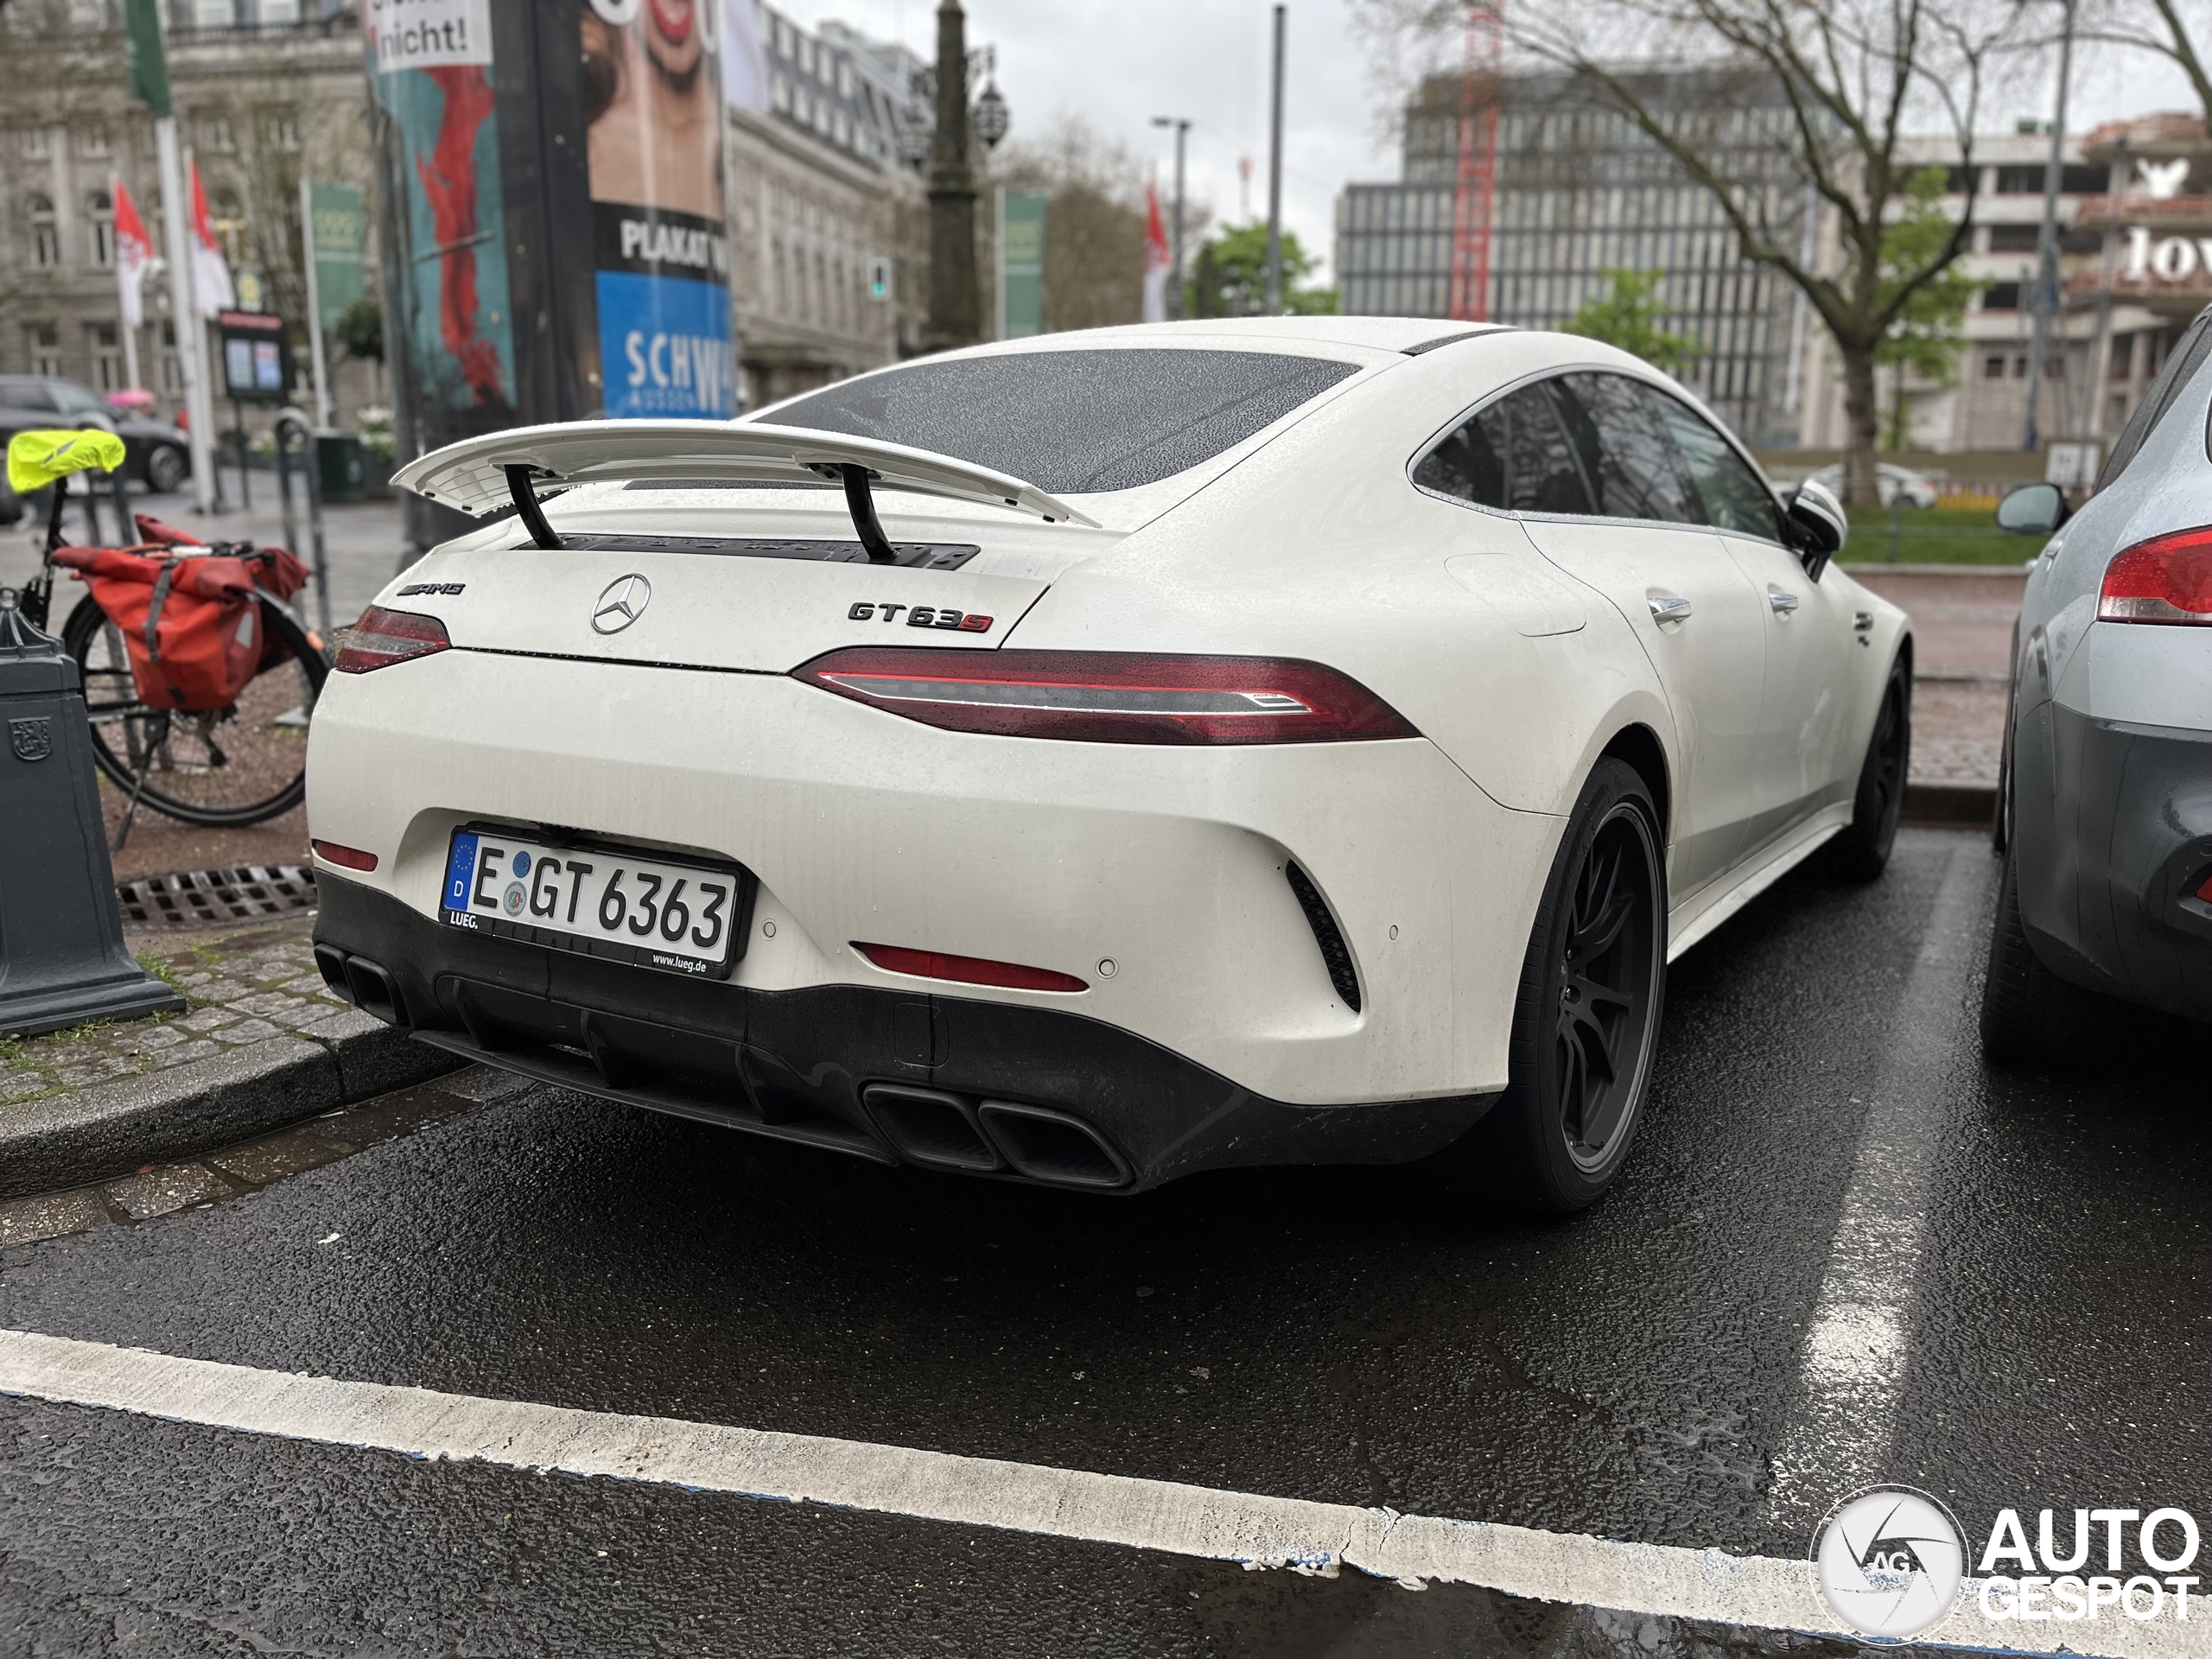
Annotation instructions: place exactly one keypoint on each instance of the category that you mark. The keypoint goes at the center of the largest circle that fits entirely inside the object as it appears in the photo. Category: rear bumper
(1156, 875)
(2113, 833)
(1008, 1092)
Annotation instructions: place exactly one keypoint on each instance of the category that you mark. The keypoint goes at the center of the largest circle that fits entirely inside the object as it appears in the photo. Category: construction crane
(1480, 87)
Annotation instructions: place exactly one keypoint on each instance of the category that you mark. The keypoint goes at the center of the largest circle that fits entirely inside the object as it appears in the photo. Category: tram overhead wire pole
(1475, 198)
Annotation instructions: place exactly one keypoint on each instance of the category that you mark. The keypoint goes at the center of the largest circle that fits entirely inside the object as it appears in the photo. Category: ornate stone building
(829, 241)
(264, 92)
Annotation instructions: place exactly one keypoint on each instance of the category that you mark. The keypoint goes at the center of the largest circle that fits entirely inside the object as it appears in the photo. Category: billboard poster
(1021, 265)
(452, 308)
(335, 225)
(652, 112)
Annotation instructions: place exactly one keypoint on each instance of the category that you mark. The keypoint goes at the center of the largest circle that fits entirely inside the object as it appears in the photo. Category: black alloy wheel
(1585, 1021)
(1605, 972)
(1861, 852)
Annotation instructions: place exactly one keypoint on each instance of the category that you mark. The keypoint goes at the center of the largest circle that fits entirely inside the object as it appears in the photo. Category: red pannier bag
(192, 625)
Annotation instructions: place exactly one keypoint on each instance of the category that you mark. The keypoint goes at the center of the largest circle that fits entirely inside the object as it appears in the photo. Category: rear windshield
(1073, 422)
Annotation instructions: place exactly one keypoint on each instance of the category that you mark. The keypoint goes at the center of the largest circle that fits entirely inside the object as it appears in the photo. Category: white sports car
(1093, 758)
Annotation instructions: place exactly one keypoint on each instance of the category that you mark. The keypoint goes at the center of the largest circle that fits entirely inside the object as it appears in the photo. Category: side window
(25, 394)
(1734, 496)
(1633, 464)
(1512, 454)
(2182, 365)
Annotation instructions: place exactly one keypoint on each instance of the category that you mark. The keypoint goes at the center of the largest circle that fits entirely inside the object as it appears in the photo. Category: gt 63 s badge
(922, 616)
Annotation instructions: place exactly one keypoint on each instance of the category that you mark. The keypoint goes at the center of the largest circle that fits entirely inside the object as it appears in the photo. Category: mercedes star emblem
(623, 603)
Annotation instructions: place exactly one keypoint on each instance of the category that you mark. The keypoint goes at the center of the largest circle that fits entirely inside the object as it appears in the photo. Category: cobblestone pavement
(1958, 728)
(242, 988)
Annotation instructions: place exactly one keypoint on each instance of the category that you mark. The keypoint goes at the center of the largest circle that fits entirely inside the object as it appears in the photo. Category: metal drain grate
(182, 897)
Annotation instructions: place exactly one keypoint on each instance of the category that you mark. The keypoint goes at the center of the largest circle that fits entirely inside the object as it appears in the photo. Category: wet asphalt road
(1343, 1336)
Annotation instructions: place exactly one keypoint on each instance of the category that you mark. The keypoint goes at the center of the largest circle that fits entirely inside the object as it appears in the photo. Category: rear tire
(2029, 1016)
(1861, 852)
(1585, 1020)
(165, 470)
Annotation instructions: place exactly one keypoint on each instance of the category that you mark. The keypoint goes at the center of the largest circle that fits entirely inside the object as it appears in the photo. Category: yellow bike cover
(36, 459)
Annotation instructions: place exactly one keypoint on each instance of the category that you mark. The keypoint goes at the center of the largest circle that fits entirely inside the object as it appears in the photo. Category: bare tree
(2155, 26)
(1859, 80)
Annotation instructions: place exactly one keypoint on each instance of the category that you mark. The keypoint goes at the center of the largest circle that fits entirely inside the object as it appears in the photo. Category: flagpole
(122, 307)
(314, 306)
(184, 319)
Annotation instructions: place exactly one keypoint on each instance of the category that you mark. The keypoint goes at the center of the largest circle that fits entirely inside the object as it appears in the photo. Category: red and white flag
(134, 256)
(1158, 263)
(211, 277)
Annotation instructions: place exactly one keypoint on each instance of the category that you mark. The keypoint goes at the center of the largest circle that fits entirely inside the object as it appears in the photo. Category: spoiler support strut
(533, 516)
(859, 501)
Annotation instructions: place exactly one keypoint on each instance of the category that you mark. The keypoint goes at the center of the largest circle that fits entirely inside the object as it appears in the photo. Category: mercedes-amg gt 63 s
(1095, 759)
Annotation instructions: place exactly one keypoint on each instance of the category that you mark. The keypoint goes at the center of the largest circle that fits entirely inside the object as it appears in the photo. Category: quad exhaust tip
(364, 983)
(945, 1131)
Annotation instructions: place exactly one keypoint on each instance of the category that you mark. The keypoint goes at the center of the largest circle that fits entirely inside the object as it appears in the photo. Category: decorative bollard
(62, 961)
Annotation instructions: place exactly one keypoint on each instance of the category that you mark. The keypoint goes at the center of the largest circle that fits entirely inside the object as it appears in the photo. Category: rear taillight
(382, 638)
(2167, 579)
(2205, 891)
(967, 970)
(1099, 696)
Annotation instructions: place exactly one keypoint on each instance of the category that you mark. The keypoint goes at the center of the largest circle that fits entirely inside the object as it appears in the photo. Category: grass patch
(164, 972)
(11, 1051)
(1935, 535)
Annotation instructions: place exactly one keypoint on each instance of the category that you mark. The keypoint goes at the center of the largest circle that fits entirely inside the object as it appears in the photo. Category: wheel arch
(1640, 746)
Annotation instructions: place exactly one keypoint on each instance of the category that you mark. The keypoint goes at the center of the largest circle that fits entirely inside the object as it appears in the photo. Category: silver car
(2105, 811)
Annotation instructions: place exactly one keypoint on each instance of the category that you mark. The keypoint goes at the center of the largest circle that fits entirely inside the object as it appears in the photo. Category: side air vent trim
(1336, 955)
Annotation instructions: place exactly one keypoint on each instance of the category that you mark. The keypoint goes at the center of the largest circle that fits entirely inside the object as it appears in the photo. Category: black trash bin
(339, 465)
(62, 960)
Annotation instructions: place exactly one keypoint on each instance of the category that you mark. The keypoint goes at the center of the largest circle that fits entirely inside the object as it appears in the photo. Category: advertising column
(653, 114)
(554, 243)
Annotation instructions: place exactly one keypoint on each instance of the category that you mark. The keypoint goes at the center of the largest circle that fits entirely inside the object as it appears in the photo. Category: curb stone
(118, 1128)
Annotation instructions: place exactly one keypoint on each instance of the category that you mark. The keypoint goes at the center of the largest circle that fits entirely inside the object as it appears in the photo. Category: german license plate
(597, 902)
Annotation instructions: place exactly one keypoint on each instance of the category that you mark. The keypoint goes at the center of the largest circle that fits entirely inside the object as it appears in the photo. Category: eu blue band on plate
(460, 871)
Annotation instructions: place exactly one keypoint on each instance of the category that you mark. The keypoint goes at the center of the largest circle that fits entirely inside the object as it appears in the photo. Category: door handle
(1779, 603)
(1666, 607)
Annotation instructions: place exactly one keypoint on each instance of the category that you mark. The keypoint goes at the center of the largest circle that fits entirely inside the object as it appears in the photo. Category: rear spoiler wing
(482, 475)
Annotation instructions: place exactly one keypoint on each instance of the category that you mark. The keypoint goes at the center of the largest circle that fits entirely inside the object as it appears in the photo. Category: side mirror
(2033, 510)
(1818, 525)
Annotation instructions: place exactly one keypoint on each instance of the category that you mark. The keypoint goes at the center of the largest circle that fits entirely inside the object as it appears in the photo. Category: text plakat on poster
(428, 34)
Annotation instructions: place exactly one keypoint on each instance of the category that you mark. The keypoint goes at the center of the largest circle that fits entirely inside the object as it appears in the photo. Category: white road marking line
(1853, 1364)
(1651, 1580)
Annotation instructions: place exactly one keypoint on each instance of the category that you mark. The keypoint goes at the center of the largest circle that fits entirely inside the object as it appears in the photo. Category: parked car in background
(1890, 481)
(159, 455)
(2105, 798)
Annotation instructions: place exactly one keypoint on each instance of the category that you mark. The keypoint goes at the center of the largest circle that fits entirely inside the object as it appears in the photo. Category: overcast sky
(1116, 63)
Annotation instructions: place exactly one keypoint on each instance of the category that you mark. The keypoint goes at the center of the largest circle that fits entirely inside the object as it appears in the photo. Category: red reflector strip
(2205, 891)
(967, 970)
(351, 858)
(2167, 579)
(382, 638)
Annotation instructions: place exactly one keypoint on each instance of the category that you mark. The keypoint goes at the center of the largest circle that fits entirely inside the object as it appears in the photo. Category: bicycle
(242, 763)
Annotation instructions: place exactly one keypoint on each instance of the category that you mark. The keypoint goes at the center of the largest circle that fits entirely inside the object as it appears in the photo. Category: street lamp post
(955, 301)
(1175, 254)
